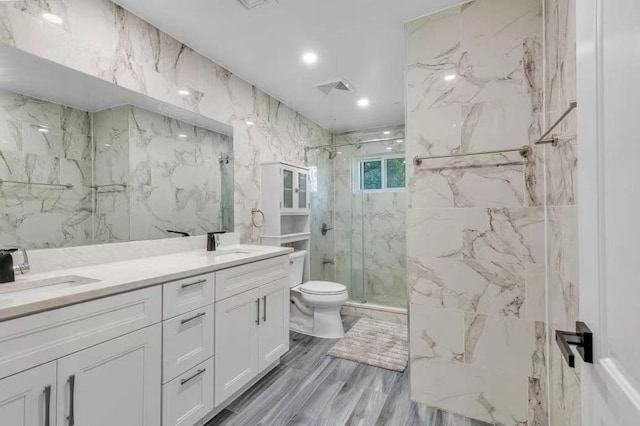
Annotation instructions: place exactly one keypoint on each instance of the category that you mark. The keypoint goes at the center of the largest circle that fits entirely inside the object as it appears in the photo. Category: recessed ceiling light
(107, 144)
(364, 102)
(450, 77)
(386, 132)
(182, 135)
(184, 92)
(309, 58)
(388, 148)
(339, 152)
(43, 129)
(400, 141)
(249, 122)
(54, 19)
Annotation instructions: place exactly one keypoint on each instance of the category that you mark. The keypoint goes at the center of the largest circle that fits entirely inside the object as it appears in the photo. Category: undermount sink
(18, 289)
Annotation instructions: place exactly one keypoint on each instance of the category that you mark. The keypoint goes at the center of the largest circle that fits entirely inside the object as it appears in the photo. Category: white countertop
(123, 276)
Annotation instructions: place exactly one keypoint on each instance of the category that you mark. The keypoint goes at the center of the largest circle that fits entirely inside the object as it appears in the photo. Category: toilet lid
(322, 287)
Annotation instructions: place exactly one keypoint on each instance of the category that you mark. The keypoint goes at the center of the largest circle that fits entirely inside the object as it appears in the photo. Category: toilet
(315, 305)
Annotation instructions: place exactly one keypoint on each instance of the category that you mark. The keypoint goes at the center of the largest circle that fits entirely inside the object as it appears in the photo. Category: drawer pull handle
(193, 376)
(183, 286)
(196, 316)
(258, 311)
(264, 308)
(72, 387)
(47, 405)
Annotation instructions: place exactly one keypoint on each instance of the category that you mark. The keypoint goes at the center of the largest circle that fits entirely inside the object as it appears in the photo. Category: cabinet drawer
(188, 294)
(43, 337)
(187, 341)
(189, 397)
(232, 281)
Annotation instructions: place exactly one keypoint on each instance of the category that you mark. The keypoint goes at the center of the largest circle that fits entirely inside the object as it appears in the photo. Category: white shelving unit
(286, 206)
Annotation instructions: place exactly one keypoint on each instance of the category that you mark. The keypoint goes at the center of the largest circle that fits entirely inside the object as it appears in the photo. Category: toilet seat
(322, 287)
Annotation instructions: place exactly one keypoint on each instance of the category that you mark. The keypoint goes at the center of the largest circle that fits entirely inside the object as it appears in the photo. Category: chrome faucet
(7, 268)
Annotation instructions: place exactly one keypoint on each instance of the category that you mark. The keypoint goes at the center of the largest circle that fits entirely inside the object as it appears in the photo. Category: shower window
(376, 174)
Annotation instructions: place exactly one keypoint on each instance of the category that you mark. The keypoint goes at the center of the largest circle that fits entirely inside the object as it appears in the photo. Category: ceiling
(361, 41)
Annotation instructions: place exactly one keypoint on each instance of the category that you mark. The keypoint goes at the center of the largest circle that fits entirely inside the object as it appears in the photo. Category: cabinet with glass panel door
(295, 193)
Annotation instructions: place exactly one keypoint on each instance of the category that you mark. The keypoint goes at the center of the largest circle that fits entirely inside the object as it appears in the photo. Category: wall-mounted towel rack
(524, 151)
(97, 188)
(554, 141)
(56, 185)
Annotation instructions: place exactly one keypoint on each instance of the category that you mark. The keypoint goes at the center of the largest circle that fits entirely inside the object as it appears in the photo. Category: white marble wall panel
(37, 216)
(103, 40)
(476, 236)
(560, 170)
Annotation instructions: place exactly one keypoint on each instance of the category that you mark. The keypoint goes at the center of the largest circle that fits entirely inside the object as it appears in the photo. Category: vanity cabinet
(29, 398)
(273, 330)
(169, 354)
(252, 328)
(113, 383)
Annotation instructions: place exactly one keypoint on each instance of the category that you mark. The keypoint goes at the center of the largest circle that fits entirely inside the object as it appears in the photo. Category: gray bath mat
(377, 343)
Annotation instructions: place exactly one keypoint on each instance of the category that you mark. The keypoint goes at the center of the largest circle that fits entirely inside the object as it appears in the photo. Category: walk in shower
(360, 184)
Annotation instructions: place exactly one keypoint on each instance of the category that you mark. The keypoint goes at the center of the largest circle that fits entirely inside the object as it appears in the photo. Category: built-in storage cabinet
(169, 354)
(236, 359)
(189, 397)
(252, 327)
(29, 398)
(113, 383)
(273, 330)
(293, 186)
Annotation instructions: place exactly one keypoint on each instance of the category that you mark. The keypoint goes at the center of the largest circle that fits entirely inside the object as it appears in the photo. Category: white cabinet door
(608, 104)
(29, 398)
(273, 330)
(236, 343)
(113, 383)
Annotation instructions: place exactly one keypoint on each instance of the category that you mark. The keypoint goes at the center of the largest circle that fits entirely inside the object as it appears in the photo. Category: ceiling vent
(339, 84)
(250, 4)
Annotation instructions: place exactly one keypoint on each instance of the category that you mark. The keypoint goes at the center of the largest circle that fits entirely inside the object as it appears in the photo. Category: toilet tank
(296, 267)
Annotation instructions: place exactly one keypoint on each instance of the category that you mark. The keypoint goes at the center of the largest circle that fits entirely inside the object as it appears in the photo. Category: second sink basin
(26, 288)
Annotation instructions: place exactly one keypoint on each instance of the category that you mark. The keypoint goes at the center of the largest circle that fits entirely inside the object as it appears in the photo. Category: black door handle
(582, 339)
(72, 388)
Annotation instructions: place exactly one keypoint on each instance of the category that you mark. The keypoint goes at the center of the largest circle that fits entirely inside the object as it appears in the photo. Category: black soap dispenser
(6, 266)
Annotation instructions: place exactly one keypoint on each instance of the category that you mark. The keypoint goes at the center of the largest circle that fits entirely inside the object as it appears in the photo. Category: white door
(236, 342)
(29, 398)
(609, 206)
(113, 383)
(274, 324)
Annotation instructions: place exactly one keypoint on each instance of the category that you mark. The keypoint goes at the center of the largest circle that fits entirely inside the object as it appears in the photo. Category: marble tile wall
(370, 228)
(493, 250)
(101, 39)
(46, 143)
(476, 225)
(561, 206)
(173, 173)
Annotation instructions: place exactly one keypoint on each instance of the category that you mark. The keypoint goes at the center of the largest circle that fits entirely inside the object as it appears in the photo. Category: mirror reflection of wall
(71, 177)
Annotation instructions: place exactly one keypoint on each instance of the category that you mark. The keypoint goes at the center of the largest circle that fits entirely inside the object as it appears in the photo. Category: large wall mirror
(83, 161)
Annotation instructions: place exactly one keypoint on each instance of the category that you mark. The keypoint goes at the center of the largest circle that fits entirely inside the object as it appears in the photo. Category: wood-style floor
(311, 388)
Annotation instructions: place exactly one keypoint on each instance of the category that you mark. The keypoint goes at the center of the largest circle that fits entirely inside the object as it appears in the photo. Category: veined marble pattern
(476, 225)
(561, 206)
(103, 40)
(173, 173)
(44, 142)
